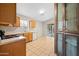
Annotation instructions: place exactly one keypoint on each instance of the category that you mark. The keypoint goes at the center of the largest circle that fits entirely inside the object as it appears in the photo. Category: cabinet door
(30, 36)
(19, 48)
(32, 23)
(13, 49)
(5, 50)
(8, 12)
(26, 37)
(17, 23)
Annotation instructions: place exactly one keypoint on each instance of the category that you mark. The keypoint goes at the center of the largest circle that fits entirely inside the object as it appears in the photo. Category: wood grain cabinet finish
(17, 23)
(13, 49)
(29, 36)
(32, 23)
(8, 13)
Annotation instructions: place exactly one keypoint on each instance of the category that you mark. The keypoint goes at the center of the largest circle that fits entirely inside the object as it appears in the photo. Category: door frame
(63, 29)
(56, 28)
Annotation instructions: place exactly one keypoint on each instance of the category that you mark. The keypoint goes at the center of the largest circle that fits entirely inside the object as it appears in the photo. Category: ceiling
(33, 10)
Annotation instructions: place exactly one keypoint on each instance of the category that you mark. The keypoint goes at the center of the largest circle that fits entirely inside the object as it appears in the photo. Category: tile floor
(41, 47)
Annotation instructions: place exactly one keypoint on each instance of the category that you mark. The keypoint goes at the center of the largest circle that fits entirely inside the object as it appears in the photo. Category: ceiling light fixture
(42, 11)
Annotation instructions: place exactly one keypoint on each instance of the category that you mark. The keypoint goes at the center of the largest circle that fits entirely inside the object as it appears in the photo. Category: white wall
(41, 28)
(44, 27)
(37, 31)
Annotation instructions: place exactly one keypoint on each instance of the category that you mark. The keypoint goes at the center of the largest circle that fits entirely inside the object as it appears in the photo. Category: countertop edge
(7, 41)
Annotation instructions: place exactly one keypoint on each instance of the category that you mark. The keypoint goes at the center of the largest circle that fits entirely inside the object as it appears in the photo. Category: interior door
(71, 28)
(60, 29)
(60, 24)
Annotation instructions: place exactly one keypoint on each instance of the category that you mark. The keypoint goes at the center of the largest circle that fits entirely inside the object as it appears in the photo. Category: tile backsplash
(12, 30)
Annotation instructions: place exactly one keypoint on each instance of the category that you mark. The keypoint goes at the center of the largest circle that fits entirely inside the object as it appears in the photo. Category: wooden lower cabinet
(13, 49)
(5, 50)
(29, 36)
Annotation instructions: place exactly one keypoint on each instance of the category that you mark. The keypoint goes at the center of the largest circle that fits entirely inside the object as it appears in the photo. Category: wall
(41, 28)
(44, 27)
(37, 31)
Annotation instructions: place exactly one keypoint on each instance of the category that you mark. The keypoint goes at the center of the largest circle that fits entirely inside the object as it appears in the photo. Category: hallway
(41, 47)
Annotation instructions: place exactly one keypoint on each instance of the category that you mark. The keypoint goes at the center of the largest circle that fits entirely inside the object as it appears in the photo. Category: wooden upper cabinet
(17, 23)
(30, 34)
(8, 13)
(32, 23)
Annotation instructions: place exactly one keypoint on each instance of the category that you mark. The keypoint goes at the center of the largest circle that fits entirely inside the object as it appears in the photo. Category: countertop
(6, 41)
(14, 33)
(8, 33)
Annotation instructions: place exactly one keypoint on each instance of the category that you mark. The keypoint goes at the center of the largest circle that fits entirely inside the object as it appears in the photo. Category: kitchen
(39, 29)
(18, 27)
